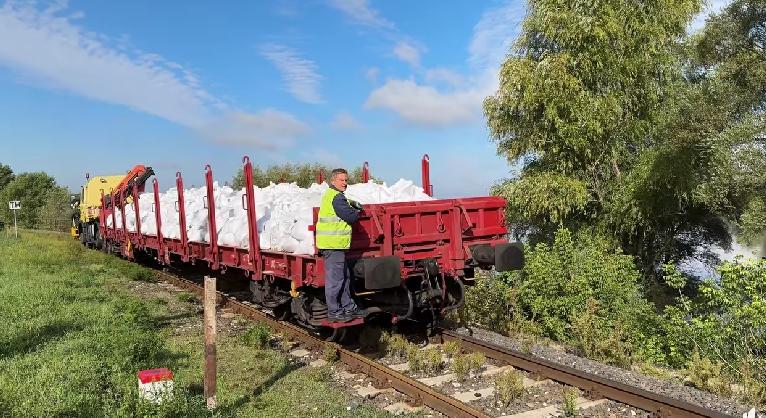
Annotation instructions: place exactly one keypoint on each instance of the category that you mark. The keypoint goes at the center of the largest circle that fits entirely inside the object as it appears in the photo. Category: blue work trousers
(337, 283)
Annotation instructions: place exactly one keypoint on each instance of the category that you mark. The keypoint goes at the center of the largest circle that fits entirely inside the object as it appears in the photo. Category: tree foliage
(44, 204)
(6, 175)
(303, 174)
(623, 124)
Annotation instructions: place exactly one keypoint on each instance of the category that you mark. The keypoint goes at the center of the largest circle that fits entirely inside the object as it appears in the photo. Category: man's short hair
(337, 171)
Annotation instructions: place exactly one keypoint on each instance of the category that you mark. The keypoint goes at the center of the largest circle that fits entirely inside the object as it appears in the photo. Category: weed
(427, 361)
(509, 386)
(451, 348)
(464, 364)
(320, 374)
(258, 336)
(140, 274)
(158, 301)
(187, 297)
(706, 375)
(433, 360)
(397, 346)
(569, 407)
(330, 354)
(415, 358)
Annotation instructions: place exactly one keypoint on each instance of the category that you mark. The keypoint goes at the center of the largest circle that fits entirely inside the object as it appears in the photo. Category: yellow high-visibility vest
(332, 232)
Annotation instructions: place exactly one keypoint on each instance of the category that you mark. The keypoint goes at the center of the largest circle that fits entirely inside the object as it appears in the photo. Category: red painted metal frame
(439, 229)
(161, 254)
(320, 176)
(252, 220)
(182, 217)
(425, 167)
(214, 258)
(365, 172)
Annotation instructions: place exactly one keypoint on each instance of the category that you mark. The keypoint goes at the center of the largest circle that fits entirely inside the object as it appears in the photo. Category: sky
(97, 87)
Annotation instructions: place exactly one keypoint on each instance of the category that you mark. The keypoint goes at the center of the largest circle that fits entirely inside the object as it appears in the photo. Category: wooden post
(210, 355)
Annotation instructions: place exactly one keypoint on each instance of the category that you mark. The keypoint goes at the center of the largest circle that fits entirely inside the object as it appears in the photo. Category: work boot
(343, 317)
(356, 313)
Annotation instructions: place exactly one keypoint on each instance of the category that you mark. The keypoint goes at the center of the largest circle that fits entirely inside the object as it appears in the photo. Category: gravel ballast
(649, 383)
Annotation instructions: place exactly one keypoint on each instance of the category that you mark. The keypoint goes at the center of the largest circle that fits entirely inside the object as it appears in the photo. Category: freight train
(408, 260)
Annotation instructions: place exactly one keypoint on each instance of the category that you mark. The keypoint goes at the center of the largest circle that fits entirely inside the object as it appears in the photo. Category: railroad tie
(553, 410)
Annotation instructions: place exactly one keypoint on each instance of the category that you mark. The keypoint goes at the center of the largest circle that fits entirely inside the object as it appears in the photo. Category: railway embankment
(79, 324)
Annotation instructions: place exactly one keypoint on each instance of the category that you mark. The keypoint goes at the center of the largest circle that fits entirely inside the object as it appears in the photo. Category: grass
(74, 335)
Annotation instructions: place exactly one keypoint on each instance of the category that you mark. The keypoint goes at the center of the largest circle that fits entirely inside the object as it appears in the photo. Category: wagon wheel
(283, 312)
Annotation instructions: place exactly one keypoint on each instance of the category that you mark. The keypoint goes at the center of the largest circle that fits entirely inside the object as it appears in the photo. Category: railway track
(597, 388)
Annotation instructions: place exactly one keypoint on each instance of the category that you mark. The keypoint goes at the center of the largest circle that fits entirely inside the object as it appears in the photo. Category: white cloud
(344, 121)
(268, 129)
(408, 53)
(372, 74)
(447, 97)
(49, 50)
(361, 13)
(424, 105)
(709, 7)
(298, 73)
(444, 75)
(494, 34)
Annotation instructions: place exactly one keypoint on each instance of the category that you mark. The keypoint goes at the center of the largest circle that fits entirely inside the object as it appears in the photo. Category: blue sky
(93, 86)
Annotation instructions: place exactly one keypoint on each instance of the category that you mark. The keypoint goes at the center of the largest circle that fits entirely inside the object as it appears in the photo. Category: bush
(464, 364)
(509, 386)
(427, 361)
(722, 330)
(703, 374)
(396, 345)
(550, 298)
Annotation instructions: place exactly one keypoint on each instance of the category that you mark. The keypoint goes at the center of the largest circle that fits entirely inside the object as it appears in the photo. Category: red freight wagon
(409, 260)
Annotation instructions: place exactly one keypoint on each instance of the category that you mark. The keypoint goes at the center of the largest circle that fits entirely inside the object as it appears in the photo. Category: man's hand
(354, 204)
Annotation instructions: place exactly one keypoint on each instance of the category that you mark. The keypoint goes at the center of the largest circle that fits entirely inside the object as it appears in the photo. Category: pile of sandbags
(284, 212)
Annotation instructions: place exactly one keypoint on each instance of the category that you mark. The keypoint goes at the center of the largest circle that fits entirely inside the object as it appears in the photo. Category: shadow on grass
(36, 339)
(164, 321)
(230, 409)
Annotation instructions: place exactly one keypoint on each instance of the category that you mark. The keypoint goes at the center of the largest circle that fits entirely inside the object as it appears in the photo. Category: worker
(333, 239)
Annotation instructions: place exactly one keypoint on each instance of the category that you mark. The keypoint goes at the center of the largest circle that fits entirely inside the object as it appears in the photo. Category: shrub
(427, 361)
(569, 407)
(722, 329)
(464, 364)
(396, 346)
(703, 374)
(549, 298)
(509, 386)
(451, 348)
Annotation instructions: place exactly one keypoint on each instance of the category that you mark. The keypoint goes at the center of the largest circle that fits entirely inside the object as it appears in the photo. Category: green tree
(303, 174)
(6, 175)
(621, 124)
(56, 213)
(33, 190)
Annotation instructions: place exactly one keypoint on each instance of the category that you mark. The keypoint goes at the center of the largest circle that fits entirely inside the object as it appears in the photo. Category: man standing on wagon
(333, 239)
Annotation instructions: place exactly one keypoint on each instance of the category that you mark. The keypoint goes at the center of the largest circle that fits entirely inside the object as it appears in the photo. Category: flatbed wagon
(408, 260)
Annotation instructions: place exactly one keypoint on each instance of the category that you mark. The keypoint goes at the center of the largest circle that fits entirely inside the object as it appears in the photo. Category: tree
(33, 190)
(303, 174)
(6, 175)
(622, 127)
(56, 213)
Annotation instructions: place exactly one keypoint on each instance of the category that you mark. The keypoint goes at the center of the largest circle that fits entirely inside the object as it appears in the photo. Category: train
(409, 261)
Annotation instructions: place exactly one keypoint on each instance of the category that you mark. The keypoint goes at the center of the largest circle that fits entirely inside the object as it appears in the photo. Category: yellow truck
(88, 206)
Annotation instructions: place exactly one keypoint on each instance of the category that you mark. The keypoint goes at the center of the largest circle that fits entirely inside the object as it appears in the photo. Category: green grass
(74, 335)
